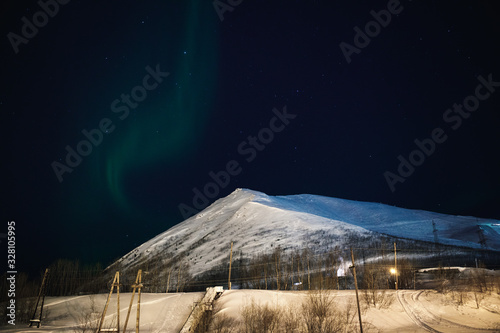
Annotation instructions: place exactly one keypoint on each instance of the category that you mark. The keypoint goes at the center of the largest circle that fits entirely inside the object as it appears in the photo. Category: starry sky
(121, 118)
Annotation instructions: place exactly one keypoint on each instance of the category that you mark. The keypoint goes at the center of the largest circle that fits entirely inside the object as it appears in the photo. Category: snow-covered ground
(410, 311)
(404, 311)
(160, 313)
(257, 223)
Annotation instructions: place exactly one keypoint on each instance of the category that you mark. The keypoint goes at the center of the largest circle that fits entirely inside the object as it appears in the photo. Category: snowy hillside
(257, 223)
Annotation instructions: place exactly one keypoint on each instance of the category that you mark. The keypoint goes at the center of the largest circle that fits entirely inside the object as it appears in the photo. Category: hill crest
(257, 223)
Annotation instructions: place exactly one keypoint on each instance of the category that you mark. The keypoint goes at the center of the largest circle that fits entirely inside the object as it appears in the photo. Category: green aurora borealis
(168, 127)
(163, 130)
(178, 115)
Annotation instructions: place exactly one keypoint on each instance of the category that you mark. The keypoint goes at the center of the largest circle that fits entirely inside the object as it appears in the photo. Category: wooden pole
(265, 275)
(138, 303)
(414, 279)
(396, 265)
(277, 264)
(179, 276)
(230, 262)
(168, 280)
(129, 308)
(41, 294)
(308, 275)
(356, 286)
(116, 283)
(298, 270)
(117, 302)
(136, 286)
(44, 286)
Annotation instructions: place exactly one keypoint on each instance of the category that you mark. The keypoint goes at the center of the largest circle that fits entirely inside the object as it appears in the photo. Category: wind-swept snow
(160, 313)
(404, 311)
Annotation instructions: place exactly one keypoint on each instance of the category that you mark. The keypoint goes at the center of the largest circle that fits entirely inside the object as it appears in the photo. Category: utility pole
(41, 295)
(414, 278)
(136, 286)
(168, 280)
(178, 276)
(396, 265)
(116, 283)
(298, 267)
(356, 286)
(230, 262)
(265, 275)
(434, 231)
(277, 263)
(482, 239)
(308, 274)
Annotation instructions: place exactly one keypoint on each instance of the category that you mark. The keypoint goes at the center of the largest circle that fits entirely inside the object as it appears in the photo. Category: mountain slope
(257, 223)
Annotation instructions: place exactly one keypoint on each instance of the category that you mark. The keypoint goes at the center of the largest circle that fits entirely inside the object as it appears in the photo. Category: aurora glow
(169, 128)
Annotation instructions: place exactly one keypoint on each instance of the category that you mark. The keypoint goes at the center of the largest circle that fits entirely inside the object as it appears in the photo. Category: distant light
(393, 271)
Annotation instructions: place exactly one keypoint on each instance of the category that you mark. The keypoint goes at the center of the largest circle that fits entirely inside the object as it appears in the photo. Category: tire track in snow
(449, 323)
(62, 301)
(413, 316)
(490, 309)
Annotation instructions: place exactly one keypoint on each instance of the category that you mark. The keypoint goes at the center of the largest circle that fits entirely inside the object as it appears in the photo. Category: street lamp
(395, 273)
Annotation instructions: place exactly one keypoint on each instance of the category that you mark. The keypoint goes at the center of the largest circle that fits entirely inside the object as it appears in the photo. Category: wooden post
(116, 283)
(396, 265)
(178, 276)
(308, 275)
(230, 262)
(137, 320)
(277, 260)
(41, 294)
(168, 280)
(414, 278)
(118, 302)
(356, 286)
(298, 270)
(137, 286)
(265, 275)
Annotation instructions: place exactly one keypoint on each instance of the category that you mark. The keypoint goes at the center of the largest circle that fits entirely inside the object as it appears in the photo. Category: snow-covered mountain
(257, 223)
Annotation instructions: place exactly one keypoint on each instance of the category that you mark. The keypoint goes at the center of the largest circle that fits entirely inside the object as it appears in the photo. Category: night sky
(154, 99)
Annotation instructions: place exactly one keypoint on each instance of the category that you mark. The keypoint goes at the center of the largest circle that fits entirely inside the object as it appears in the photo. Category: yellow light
(393, 271)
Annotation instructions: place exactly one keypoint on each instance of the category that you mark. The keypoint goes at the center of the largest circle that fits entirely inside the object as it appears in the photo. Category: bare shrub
(378, 298)
(478, 297)
(496, 284)
(291, 320)
(202, 321)
(348, 316)
(479, 280)
(320, 313)
(459, 297)
(88, 318)
(260, 318)
(222, 323)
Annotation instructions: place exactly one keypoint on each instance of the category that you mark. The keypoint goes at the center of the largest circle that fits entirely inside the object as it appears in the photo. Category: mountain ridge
(257, 223)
